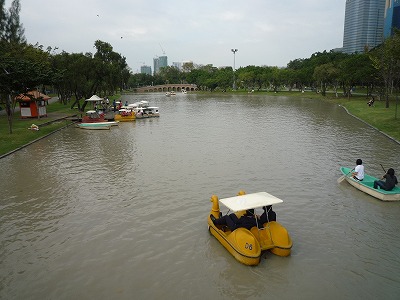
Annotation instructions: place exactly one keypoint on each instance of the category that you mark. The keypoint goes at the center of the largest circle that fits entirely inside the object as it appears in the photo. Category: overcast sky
(265, 32)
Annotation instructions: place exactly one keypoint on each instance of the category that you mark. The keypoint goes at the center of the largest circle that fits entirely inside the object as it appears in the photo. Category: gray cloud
(265, 32)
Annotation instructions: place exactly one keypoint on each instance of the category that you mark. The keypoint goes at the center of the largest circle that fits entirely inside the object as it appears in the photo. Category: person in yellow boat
(268, 215)
(233, 222)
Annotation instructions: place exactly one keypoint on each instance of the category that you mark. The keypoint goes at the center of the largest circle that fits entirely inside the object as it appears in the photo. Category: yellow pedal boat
(248, 245)
(125, 115)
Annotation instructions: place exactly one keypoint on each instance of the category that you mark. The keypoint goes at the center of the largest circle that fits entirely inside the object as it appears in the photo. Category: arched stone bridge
(167, 88)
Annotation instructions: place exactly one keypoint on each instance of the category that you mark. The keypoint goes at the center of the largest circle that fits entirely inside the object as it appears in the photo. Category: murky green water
(121, 214)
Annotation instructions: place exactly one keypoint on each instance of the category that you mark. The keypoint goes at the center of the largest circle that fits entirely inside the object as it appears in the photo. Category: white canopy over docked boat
(94, 98)
(248, 201)
(142, 103)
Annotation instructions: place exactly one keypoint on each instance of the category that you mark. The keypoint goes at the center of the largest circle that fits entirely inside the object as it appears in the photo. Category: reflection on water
(111, 214)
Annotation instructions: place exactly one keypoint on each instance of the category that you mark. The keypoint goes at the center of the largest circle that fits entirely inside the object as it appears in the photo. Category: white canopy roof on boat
(248, 201)
(94, 98)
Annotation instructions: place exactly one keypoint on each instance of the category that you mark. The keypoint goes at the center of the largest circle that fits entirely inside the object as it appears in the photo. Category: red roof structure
(32, 96)
(32, 104)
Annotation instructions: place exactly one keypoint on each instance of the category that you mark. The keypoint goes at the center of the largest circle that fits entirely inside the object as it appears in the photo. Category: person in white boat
(389, 184)
(358, 173)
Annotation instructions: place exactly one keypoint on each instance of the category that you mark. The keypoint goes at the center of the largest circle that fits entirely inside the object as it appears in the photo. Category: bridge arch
(167, 88)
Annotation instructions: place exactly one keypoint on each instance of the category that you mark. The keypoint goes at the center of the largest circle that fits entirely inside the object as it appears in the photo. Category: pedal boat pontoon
(248, 245)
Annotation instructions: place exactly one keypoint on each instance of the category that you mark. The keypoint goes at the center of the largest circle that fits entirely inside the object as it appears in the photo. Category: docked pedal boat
(367, 186)
(125, 115)
(247, 245)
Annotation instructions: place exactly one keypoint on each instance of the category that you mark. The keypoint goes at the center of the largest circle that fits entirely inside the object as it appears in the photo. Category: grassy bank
(378, 116)
(21, 135)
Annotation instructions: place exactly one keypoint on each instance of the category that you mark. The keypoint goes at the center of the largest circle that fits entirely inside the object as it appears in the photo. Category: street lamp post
(234, 54)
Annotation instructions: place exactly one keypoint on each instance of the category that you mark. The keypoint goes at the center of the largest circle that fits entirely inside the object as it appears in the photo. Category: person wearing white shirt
(358, 173)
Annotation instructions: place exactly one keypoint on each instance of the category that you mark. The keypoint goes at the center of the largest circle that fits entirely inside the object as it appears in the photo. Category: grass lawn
(21, 135)
(378, 115)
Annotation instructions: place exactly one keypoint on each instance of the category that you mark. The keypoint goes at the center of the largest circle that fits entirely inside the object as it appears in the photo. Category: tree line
(25, 67)
(378, 70)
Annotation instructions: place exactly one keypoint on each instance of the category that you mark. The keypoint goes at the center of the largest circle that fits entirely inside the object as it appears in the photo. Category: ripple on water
(108, 214)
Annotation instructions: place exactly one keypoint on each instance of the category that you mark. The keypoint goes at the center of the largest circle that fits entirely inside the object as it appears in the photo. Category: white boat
(111, 123)
(143, 110)
(152, 111)
(95, 126)
(367, 186)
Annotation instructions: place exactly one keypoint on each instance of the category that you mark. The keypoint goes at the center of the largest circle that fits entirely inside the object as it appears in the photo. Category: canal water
(121, 213)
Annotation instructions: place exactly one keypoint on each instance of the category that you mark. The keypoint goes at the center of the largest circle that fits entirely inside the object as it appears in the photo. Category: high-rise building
(392, 17)
(363, 25)
(145, 70)
(177, 65)
(160, 62)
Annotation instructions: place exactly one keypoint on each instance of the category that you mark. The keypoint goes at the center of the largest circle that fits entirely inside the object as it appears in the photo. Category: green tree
(224, 78)
(325, 74)
(386, 61)
(170, 75)
(111, 68)
(23, 67)
(3, 21)
(188, 67)
(14, 29)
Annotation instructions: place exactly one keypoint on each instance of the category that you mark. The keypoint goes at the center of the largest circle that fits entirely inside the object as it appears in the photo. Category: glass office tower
(145, 70)
(363, 25)
(160, 62)
(392, 17)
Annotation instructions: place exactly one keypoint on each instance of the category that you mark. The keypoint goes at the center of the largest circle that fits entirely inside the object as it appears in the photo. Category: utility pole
(234, 53)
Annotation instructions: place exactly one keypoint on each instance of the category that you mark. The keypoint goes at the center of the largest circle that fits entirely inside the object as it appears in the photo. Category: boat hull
(94, 126)
(274, 237)
(367, 186)
(128, 118)
(109, 123)
(241, 243)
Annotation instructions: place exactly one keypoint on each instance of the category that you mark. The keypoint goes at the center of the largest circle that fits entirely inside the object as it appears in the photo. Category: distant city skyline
(367, 24)
(265, 32)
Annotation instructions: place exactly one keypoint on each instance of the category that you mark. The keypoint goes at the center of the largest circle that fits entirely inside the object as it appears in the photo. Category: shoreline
(365, 122)
(60, 114)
